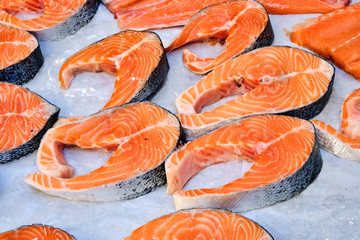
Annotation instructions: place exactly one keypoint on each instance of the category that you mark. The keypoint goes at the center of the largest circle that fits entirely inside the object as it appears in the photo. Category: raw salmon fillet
(137, 59)
(22, 6)
(350, 115)
(346, 143)
(114, 5)
(284, 152)
(335, 36)
(21, 57)
(24, 119)
(32, 232)
(301, 7)
(244, 24)
(269, 80)
(201, 224)
(140, 135)
(60, 18)
(150, 14)
(147, 14)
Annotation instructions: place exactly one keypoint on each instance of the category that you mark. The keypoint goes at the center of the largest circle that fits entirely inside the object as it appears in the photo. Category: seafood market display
(201, 224)
(36, 231)
(141, 135)
(346, 143)
(269, 80)
(285, 155)
(59, 18)
(335, 36)
(137, 58)
(21, 57)
(244, 24)
(147, 14)
(171, 133)
(24, 119)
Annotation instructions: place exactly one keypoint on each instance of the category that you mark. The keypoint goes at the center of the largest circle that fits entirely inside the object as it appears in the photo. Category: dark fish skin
(23, 71)
(70, 25)
(130, 188)
(32, 144)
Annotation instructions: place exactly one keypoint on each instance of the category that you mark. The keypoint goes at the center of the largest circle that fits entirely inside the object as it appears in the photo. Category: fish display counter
(329, 208)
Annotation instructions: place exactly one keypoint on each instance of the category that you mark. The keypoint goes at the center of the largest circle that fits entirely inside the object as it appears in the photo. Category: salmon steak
(24, 119)
(22, 6)
(60, 18)
(35, 232)
(346, 142)
(335, 36)
(21, 57)
(244, 24)
(277, 80)
(140, 135)
(283, 150)
(201, 224)
(137, 59)
(150, 14)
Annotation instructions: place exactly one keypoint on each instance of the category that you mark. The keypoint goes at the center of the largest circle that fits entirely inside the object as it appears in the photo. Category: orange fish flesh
(201, 224)
(335, 36)
(36, 232)
(137, 59)
(22, 6)
(24, 119)
(150, 14)
(346, 143)
(350, 115)
(21, 57)
(140, 135)
(60, 18)
(284, 152)
(269, 80)
(301, 7)
(244, 24)
(113, 5)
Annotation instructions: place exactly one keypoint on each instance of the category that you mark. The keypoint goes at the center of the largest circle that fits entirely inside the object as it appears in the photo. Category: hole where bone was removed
(218, 175)
(85, 160)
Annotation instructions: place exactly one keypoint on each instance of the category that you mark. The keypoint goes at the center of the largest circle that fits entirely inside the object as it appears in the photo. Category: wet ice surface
(328, 209)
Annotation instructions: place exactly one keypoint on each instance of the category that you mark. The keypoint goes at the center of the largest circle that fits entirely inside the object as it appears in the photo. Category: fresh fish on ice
(140, 135)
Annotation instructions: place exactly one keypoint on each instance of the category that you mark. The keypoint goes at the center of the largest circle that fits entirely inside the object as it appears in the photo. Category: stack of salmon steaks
(179, 119)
